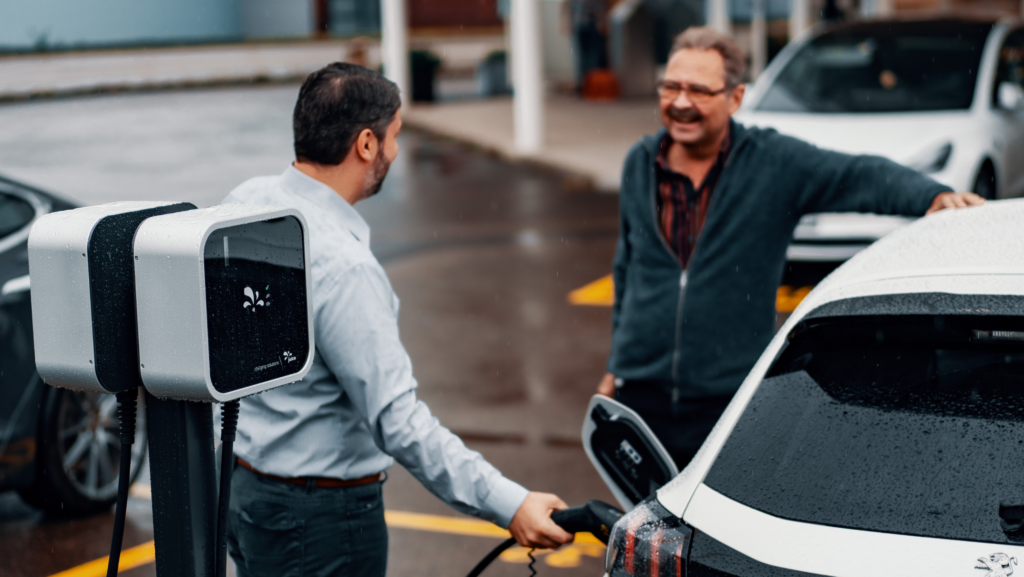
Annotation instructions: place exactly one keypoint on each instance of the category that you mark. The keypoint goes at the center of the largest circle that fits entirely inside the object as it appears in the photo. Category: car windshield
(15, 213)
(911, 425)
(891, 67)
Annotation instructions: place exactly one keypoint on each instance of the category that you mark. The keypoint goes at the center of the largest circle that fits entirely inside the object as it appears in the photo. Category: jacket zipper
(676, 353)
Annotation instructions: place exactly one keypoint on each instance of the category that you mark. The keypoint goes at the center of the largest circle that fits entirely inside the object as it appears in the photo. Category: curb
(158, 86)
(572, 180)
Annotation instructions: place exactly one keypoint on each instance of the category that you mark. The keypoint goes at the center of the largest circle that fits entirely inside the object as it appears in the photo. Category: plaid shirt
(682, 208)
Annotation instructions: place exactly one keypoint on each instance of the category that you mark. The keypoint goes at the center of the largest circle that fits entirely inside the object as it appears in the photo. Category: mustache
(684, 114)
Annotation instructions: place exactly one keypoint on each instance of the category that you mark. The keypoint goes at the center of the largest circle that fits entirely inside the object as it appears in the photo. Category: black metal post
(183, 481)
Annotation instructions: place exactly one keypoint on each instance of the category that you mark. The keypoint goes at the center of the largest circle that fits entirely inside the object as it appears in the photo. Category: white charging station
(193, 305)
(223, 300)
(82, 275)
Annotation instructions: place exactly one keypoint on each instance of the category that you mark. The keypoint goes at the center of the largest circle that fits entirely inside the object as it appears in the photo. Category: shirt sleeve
(356, 329)
(837, 182)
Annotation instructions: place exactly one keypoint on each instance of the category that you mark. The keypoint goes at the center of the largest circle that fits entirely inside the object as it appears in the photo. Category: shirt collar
(334, 206)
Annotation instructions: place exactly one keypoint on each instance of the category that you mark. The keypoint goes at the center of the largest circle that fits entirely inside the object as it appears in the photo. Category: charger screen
(256, 303)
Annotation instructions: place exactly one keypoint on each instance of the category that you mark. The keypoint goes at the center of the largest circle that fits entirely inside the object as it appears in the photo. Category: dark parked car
(58, 448)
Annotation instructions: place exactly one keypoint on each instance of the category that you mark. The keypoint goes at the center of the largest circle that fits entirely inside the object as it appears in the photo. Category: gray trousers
(277, 529)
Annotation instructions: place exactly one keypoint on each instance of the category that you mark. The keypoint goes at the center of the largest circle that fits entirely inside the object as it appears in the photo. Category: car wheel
(985, 183)
(79, 453)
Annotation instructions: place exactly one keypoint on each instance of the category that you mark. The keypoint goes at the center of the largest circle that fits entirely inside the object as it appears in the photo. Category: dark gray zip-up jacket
(706, 338)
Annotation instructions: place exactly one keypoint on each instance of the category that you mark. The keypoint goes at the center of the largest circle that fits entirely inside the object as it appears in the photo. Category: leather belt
(322, 482)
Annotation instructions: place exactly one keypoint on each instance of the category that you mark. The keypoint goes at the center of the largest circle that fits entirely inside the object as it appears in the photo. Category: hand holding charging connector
(595, 517)
(533, 525)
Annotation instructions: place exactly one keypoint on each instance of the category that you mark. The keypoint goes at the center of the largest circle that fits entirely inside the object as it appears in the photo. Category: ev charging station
(195, 306)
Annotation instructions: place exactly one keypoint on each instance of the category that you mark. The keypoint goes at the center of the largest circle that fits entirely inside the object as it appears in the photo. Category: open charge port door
(625, 452)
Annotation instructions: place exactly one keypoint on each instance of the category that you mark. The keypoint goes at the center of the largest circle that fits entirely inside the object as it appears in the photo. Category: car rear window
(15, 213)
(911, 425)
(890, 67)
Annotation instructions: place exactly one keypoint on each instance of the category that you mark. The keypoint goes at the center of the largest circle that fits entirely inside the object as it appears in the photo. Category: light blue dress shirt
(356, 411)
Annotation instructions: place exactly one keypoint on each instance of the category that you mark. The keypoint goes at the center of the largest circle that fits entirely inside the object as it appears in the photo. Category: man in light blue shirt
(306, 495)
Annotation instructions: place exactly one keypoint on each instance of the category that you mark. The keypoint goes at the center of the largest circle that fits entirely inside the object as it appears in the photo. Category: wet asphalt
(481, 252)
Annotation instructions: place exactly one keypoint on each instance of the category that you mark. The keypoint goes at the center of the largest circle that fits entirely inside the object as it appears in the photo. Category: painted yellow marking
(130, 559)
(788, 298)
(458, 526)
(585, 545)
(569, 556)
(600, 293)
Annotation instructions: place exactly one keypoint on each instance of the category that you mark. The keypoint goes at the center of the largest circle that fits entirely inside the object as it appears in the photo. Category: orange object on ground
(600, 84)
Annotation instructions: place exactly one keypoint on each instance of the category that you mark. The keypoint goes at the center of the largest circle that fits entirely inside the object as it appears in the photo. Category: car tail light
(648, 541)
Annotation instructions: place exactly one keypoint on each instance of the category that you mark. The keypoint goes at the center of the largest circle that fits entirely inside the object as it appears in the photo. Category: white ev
(880, 433)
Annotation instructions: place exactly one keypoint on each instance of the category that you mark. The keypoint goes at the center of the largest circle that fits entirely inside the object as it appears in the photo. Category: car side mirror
(1010, 95)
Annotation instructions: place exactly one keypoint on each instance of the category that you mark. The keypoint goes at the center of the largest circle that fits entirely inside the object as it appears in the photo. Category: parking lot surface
(482, 253)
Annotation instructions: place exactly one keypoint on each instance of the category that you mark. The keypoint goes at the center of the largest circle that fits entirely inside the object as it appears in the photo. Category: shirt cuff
(504, 500)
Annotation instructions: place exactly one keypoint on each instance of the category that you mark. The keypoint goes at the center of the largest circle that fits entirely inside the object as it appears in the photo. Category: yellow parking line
(601, 293)
(145, 553)
(130, 559)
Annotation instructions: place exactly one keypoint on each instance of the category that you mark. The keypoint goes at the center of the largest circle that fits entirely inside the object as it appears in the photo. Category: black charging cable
(127, 409)
(229, 423)
(595, 518)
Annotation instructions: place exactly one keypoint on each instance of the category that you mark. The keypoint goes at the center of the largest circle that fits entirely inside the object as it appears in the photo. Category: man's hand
(532, 525)
(607, 386)
(954, 200)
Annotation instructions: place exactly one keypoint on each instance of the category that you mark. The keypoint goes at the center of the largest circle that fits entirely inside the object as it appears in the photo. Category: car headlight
(933, 159)
(649, 541)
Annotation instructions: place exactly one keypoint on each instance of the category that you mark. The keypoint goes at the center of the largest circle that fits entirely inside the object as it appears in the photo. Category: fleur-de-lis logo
(252, 300)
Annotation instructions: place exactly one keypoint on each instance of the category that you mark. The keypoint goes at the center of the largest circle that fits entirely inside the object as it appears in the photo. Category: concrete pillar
(527, 77)
(758, 40)
(395, 45)
(717, 12)
(799, 17)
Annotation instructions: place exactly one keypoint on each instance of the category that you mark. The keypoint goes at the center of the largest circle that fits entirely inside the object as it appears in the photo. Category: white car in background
(944, 96)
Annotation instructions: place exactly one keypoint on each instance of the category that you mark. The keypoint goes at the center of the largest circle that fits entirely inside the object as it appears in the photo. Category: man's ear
(367, 145)
(736, 98)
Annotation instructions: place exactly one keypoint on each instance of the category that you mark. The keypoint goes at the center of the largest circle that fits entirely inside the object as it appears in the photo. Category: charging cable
(126, 412)
(229, 423)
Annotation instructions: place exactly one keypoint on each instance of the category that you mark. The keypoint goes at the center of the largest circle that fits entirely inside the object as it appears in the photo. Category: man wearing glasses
(707, 210)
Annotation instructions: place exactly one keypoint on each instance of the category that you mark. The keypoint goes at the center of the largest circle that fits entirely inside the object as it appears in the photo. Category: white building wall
(276, 18)
(60, 24)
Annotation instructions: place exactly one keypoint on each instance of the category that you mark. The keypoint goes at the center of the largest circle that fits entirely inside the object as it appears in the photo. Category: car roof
(964, 245)
(917, 24)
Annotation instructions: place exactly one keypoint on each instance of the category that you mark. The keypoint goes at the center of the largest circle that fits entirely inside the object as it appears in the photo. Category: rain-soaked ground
(481, 252)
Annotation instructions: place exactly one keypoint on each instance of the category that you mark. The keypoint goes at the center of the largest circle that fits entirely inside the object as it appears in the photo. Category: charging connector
(127, 410)
(229, 423)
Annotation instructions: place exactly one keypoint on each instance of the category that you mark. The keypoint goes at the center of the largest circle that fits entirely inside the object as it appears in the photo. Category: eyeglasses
(696, 93)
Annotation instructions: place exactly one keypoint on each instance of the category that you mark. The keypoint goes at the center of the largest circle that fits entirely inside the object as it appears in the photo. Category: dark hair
(335, 104)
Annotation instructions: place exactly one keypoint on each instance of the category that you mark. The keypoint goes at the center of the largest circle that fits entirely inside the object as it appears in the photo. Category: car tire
(79, 452)
(985, 183)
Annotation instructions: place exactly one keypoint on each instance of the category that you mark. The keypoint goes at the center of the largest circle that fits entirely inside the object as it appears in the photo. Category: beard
(375, 178)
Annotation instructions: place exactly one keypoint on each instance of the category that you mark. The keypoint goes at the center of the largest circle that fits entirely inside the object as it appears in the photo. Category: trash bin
(492, 74)
(424, 69)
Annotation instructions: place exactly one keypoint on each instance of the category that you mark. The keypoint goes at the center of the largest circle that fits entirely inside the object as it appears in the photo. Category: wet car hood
(900, 137)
